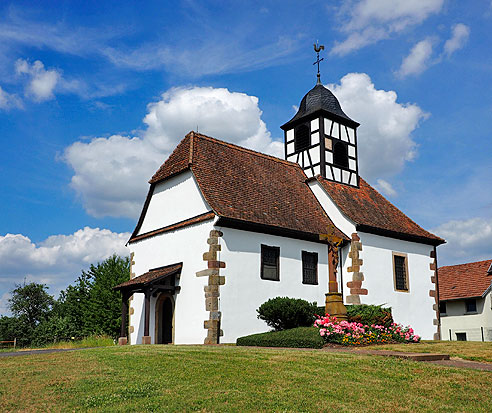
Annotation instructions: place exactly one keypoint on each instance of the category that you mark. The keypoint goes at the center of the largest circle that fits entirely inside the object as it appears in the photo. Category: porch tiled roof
(150, 276)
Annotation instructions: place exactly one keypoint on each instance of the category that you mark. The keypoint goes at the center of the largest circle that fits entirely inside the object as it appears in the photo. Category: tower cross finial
(317, 49)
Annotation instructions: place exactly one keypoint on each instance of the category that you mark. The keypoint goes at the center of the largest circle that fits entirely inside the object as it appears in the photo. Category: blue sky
(94, 96)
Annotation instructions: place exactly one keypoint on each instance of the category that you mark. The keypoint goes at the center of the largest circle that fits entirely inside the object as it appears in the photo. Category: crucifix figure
(334, 300)
(333, 243)
(317, 49)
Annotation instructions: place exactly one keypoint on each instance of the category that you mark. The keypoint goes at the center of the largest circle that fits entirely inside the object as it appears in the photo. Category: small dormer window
(302, 140)
(340, 157)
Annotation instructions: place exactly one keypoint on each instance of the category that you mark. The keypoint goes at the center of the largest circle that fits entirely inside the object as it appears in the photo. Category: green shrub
(301, 337)
(282, 313)
(365, 314)
(370, 314)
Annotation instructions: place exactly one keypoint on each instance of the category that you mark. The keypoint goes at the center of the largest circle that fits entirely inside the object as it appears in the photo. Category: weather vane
(317, 49)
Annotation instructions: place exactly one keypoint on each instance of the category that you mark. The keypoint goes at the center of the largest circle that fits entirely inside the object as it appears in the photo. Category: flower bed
(356, 334)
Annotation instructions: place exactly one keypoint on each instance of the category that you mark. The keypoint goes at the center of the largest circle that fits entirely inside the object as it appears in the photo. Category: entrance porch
(159, 283)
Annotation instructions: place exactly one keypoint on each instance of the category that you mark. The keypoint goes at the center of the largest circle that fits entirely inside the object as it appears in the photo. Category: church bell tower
(321, 138)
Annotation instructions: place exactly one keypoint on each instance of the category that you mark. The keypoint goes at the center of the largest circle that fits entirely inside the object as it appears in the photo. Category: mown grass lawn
(468, 350)
(228, 378)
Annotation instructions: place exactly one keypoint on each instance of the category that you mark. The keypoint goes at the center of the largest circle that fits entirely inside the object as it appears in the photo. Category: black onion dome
(319, 98)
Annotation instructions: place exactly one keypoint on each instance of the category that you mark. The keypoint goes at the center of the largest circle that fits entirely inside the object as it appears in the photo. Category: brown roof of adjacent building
(371, 212)
(465, 280)
(151, 276)
(245, 186)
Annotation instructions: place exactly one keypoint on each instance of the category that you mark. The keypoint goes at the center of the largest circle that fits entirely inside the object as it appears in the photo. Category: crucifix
(334, 300)
(334, 243)
(317, 49)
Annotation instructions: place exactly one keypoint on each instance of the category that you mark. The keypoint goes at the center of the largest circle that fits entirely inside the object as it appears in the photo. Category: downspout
(437, 295)
(340, 262)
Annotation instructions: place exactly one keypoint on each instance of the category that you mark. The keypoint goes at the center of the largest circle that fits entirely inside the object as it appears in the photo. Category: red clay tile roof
(464, 280)
(371, 212)
(150, 276)
(248, 186)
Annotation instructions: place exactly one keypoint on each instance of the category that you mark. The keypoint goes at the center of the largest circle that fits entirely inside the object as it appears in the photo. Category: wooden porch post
(146, 336)
(124, 311)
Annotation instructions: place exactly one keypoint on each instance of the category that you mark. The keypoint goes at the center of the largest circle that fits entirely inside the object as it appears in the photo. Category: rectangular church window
(400, 272)
(309, 267)
(270, 257)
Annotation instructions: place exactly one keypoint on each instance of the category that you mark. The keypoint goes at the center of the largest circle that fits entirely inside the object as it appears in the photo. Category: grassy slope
(227, 378)
(93, 341)
(469, 350)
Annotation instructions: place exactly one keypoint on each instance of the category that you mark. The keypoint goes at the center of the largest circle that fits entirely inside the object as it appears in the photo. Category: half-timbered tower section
(322, 138)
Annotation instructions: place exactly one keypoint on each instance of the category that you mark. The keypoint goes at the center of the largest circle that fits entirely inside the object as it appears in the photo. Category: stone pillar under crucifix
(334, 300)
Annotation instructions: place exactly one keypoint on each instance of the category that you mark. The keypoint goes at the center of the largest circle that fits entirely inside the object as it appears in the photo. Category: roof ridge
(467, 263)
(241, 148)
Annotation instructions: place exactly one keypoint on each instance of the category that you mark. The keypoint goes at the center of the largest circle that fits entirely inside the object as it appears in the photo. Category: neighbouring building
(465, 301)
(225, 228)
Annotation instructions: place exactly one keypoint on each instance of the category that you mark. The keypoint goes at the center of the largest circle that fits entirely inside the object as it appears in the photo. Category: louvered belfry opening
(302, 140)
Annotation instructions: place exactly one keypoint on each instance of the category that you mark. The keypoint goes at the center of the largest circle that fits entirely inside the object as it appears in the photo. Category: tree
(31, 303)
(104, 302)
(73, 304)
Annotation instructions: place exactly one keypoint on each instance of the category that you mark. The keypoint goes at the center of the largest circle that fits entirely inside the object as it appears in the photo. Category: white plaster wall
(412, 308)
(341, 221)
(185, 245)
(457, 320)
(174, 200)
(244, 290)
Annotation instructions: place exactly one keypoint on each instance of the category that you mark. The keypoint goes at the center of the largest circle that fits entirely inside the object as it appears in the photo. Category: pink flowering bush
(353, 334)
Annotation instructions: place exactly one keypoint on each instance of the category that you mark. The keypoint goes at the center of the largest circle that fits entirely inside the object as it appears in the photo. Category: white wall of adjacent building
(456, 320)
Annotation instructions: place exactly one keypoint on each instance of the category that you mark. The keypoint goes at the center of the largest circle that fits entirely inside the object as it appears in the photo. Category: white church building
(224, 229)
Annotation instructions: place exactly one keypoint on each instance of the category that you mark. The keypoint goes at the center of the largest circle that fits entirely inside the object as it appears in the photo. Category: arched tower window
(340, 157)
(302, 140)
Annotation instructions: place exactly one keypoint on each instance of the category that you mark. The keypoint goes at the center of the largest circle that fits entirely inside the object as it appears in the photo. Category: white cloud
(418, 59)
(4, 303)
(42, 82)
(205, 56)
(111, 173)
(467, 241)
(58, 260)
(458, 39)
(368, 21)
(385, 187)
(9, 100)
(384, 137)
